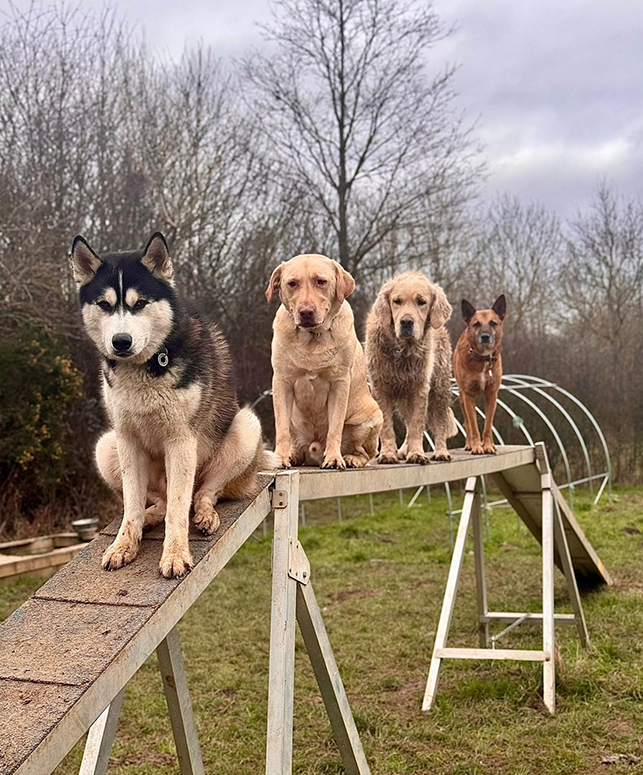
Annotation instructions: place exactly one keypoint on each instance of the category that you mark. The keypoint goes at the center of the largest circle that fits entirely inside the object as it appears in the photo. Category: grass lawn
(379, 580)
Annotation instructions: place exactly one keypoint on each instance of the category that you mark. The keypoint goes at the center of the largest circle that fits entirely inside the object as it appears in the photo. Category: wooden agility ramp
(67, 654)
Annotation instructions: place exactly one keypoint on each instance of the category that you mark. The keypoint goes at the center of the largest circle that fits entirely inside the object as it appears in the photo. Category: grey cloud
(556, 86)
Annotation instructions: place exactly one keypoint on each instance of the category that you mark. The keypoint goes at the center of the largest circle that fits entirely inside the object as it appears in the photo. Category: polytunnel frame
(514, 384)
(518, 382)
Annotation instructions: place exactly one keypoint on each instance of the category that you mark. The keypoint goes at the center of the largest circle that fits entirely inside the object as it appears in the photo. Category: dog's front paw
(418, 458)
(385, 459)
(489, 448)
(120, 552)
(206, 518)
(334, 461)
(441, 455)
(355, 461)
(283, 456)
(476, 448)
(175, 562)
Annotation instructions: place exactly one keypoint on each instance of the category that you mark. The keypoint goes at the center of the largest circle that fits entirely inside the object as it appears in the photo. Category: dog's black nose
(121, 343)
(485, 338)
(306, 317)
(406, 325)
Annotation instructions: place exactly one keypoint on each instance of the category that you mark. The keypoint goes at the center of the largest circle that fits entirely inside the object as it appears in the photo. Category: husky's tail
(269, 461)
(313, 457)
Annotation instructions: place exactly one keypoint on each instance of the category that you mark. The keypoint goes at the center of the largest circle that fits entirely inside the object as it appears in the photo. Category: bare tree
(355, 119)
(603, 275)
(602, 286)
(519, 253)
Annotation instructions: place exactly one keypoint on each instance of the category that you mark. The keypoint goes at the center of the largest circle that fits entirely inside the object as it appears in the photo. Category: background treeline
(341, 135)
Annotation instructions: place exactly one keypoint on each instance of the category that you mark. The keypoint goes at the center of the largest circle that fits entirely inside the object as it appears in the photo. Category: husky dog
(179, 436)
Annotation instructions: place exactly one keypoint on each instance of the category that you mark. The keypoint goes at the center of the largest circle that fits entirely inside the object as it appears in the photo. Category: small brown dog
(477, 367)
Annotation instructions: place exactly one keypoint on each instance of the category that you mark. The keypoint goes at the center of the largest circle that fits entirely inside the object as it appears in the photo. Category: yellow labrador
(324, 411)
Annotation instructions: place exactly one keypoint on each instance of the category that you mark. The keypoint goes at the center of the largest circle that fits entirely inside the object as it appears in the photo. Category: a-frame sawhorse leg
(103, 731)
(553, 535)
(293, 599)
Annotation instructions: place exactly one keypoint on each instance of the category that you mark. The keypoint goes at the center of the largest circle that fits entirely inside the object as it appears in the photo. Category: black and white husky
(179, 437)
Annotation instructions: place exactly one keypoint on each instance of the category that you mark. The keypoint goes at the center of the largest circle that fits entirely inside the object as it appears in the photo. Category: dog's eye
(140, 304)
(493, 323)
(397, 301)
(292, 284)
(477, 325)
(105, 305)
(321, 282)
(421, 302)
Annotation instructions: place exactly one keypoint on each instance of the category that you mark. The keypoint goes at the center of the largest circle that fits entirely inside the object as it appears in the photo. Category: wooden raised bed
(41, 556)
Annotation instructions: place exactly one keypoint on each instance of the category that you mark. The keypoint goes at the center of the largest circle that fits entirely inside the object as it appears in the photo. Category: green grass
(379, 581)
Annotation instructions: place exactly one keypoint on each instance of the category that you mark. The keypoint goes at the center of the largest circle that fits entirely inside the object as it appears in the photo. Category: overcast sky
(556, 86)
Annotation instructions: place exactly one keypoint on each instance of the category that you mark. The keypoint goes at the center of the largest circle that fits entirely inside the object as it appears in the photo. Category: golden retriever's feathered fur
(408, 354)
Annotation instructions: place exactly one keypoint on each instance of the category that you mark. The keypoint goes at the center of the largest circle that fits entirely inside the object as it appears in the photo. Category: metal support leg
(101, 738)
(481, 583)
(570, 576)
(449, 595)
(177, 694)
(330, 683)
(282, 627)
(549, 647)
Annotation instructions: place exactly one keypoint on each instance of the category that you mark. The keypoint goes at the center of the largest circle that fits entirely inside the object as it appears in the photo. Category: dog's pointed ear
(84, 262)
(500, 306)
(274, 283)
(468, 310)
(156, 257)
(440, 309)
(345, 284)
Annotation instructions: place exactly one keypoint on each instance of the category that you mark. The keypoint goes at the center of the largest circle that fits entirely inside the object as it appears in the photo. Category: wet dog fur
(408, 353)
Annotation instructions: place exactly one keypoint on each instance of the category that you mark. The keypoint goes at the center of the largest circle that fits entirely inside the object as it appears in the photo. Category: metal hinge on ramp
(279, 499)
(298, 563)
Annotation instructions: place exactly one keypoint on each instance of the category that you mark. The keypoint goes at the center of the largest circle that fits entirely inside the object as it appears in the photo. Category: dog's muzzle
(306, 318)
(122, 343)
(486, 338)
(406, 327)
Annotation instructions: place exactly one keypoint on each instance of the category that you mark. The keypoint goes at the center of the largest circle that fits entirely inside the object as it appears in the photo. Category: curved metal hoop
(516, 385)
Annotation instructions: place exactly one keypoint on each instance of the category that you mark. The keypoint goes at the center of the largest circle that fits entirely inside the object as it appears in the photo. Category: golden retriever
(324, 412)
(409, 364)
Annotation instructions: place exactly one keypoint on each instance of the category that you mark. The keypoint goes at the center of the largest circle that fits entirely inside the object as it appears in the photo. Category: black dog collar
(483, 358)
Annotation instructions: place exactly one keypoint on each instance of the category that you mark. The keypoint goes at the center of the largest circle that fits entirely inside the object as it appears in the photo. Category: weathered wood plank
(317, 483)
(502, 654)
(520, 487)
(28, 713)
(66, 643)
